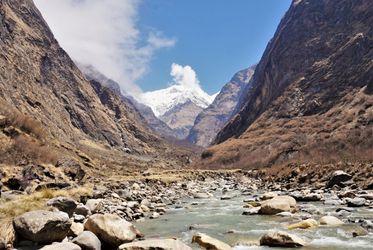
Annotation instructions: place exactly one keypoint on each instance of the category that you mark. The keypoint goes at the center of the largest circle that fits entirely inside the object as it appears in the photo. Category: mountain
(158, 126)
(310, 97)
(181, 117)
(209, 122)
(177, 102)
(47, 105)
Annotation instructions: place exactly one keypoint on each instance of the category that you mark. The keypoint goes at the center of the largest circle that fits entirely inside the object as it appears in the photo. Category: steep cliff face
(158, 126)
(211, 120)
(39, 79)
(312, 89)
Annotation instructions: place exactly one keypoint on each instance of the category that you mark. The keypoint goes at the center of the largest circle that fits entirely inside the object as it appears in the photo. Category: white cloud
(103, 33)
(184, 76)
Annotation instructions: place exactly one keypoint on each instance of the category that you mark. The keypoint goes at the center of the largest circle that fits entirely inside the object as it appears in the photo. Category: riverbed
(223, 220)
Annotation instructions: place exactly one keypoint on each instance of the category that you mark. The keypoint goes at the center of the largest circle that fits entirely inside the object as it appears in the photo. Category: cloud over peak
(184, 76)
(105, 35)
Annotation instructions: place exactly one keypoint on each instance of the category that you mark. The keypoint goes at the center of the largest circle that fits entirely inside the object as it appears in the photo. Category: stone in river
(281, 239)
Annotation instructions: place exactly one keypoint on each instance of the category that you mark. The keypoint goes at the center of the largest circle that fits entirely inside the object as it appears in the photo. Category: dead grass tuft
(37, 200)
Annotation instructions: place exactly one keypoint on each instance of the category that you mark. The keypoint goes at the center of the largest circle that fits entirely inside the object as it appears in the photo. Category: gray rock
(62, 246)
(355, 202)
(87, 241)
(338, 177)
(63, 204)
(42, 226)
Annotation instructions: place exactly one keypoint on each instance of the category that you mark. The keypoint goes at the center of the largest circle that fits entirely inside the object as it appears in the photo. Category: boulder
(95, 205)
(82, 210)
(159, 244)
(281, 239)
(358, 231)
(42, 226)
(330, 221)
(304, 224)
(337, 178)
(87, 241)
(355, 202)
(209, 243)
(62, 246)
(278, 204)
(111, 229)
(76, 229)
(63, 204)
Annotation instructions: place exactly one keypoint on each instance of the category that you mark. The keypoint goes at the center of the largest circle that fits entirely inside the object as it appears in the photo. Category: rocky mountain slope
(158, 126)
(311, 95)
(177, 106)
(181, 118)
(47, 105)
(212, 119)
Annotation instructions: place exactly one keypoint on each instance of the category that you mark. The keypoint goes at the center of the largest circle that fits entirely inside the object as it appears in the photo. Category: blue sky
(215, 37)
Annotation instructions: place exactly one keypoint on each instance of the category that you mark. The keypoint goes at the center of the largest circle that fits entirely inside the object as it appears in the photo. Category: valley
(280, 157)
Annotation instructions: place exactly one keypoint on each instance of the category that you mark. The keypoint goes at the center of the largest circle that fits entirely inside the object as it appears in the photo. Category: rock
(201, 195)
(63, 204)
(146, 202)
(76, 229)
(144, 208)
(209, 243)
(281, 239)
(355, 202)
(154, 215)
(95, 205)
(158, 244)
(285, 214)
(348, 209)
(358, 231)
(304, 224)
(332, 202)
(87, 241)
(82, 210)
(78, 218)
(62, 246)
(330, 221)
(298, 196)
(278, 204)
(111, 229)
(136, 186)
(42, 226)
(337, 178)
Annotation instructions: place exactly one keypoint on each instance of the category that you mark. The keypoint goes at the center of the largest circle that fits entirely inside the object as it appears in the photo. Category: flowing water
(217, 217)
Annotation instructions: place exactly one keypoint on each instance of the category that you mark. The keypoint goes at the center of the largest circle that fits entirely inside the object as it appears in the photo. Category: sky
(140, 43)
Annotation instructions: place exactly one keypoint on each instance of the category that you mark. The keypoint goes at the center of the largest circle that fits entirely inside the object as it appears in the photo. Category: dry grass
(37, 200)
(24, 122)
(27, 149)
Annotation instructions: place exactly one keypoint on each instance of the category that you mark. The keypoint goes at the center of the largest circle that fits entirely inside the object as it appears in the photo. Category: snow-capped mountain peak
(164, 100)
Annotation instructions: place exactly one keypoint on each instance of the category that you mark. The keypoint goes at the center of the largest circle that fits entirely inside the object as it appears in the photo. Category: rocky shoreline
(103, 220)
